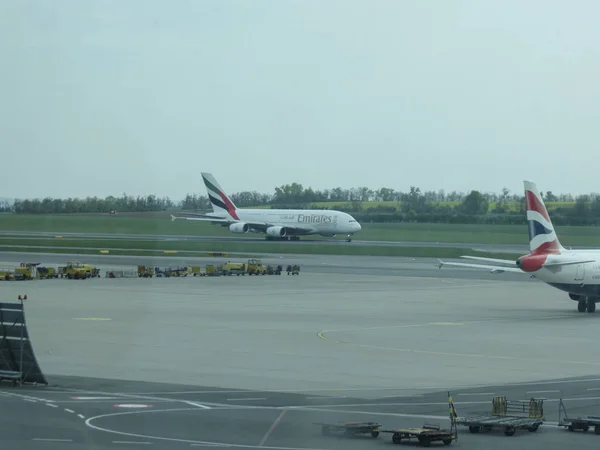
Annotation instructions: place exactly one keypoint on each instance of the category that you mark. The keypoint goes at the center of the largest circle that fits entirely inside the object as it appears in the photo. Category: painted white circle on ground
(131, 405)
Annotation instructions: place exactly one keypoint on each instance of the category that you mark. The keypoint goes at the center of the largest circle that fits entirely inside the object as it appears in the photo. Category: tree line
(378, 205)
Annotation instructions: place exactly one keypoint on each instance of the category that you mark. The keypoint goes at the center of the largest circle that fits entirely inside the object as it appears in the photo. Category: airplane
(576, 272)
(280, 224)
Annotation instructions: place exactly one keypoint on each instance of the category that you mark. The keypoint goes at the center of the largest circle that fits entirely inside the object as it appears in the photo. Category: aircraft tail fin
(219, 200)
(542, 237)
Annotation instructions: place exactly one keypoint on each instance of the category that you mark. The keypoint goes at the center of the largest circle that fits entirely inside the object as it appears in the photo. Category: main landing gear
(586, 304)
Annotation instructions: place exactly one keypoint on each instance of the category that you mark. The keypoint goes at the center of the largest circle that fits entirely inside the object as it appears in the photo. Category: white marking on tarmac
(94, 398)
(320, 397)
(272, 428)
(542, 392)
(198, 405)
(477, 393)
(81, 416)
(88, 422)
(210, 445)
(51, 405)
(132, 442)
(30, 400)
(359, 405)
(52, 440)
(250, 399)
(291, 391)
(414, 416)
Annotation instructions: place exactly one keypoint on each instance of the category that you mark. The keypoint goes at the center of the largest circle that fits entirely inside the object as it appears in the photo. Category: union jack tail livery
(571, 271)
(542, 237)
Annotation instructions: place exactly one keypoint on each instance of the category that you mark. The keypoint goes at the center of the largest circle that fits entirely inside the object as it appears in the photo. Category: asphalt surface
(317, 264)
(260, 239)
(254, 361)
(98, 413)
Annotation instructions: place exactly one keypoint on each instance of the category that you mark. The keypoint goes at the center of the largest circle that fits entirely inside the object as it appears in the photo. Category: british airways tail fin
(542, 237)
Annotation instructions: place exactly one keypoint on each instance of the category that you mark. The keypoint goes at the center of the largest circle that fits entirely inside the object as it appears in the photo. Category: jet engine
(239, 227)
(574, 296)
(276, 231)
(328, 235)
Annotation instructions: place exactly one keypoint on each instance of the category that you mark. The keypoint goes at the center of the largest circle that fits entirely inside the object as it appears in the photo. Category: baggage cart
(350, 428)
(425, 436)
(582, 423)
(507, 415)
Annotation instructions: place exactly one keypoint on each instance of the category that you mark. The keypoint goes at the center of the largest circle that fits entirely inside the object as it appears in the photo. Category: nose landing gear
(349, 238)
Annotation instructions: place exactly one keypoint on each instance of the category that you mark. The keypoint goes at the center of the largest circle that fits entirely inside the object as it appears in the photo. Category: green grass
(82, 251)
(412, 232)
(242, 247)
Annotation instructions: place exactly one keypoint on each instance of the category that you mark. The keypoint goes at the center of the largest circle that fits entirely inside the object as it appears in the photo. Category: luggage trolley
(577, 423)
(509, 415)
(426, 435)
(350, 428)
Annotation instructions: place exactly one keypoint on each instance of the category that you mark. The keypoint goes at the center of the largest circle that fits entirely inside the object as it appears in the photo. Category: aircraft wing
(257, 226)
(492, 269)
(492, 260)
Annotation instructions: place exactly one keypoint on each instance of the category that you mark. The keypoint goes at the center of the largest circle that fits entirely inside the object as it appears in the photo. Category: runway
(253, 361)
(260, 239)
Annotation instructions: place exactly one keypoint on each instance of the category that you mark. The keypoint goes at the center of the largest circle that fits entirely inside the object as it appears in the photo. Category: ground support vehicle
(172, 272)
(145, 271)
(197, 271)
(45, 273)
(582, 423)
(214, 271)
(508, 415)
(234, 269)
(28, 270)
(294, 270)
(255, 267)
(274, 270)
(426, 435)
(10, 275)
(350, 428)
(78, 270)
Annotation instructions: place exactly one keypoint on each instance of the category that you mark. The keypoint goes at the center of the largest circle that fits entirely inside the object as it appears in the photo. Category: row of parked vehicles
(33, 271)
(251, 267)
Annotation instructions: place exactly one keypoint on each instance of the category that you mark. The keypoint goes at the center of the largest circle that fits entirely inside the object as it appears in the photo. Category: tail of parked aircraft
(218, 199)
(542, 237)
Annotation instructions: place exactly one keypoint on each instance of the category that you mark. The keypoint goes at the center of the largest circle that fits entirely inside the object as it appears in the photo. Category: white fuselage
(312, 221)
(581, 278)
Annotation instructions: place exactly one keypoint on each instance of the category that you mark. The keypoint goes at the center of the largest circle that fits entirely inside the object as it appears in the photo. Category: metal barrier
(17, 360)
(532, 408)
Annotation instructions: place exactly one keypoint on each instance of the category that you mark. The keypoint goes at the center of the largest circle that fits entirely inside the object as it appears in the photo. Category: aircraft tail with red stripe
(542, 237)
(221, 203)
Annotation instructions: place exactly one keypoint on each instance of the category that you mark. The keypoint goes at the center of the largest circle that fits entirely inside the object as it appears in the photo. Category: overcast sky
(103, 97)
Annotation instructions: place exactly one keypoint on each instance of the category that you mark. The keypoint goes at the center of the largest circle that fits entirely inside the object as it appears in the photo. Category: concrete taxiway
(254, 361)
(256, 238)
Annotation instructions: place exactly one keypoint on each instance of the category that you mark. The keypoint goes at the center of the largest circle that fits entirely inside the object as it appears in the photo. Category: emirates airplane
(576, 272)
(280, 224)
